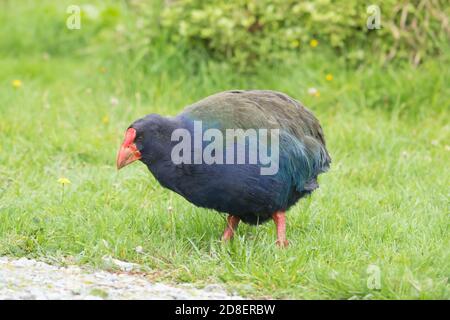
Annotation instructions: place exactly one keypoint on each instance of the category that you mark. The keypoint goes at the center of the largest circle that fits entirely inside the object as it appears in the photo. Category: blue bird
(251, 154)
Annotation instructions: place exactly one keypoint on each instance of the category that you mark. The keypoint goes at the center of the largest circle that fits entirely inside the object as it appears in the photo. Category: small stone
(122, 265)
(213, 288)
(139, 249)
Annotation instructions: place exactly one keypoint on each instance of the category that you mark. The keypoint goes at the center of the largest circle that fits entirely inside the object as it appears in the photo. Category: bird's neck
(158, 157)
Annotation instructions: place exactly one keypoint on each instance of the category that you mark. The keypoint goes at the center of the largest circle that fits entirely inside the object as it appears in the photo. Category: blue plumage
(239, 189)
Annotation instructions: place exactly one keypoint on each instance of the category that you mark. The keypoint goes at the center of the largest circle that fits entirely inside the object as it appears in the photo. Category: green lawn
(384, 202)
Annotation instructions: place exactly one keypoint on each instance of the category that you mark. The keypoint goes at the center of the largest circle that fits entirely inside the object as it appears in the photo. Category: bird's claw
(282, 243)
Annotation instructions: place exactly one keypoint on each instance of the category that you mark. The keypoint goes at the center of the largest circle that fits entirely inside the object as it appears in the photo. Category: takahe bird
(239, 188)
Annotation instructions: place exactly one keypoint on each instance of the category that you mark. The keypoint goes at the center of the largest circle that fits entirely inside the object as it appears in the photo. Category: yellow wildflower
(314, 43)
(16, 83)
(64, 181)
(105, 119)
(329, 77)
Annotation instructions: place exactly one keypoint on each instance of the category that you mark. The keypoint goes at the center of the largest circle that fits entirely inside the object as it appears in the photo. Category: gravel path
(30, 279)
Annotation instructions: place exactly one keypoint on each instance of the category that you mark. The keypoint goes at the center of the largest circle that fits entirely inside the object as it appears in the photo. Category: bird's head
(143, 140)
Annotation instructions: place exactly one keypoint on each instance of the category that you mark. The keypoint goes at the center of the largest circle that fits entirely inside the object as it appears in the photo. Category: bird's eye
(139, 142)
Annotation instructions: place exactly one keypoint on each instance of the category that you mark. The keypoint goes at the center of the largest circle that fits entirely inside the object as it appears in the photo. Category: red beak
(128, 152)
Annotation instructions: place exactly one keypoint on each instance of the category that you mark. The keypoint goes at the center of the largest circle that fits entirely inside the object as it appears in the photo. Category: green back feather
(302, 137)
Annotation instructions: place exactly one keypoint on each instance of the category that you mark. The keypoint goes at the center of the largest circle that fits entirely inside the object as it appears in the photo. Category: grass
(383, 203)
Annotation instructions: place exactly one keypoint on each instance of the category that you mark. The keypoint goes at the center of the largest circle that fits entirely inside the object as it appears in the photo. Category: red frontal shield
(128, 151)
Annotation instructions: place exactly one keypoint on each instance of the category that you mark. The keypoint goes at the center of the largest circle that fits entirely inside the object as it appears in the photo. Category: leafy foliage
(251, 31)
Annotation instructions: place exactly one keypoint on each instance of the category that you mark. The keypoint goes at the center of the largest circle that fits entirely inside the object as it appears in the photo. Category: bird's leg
(232, 223)
(279, 218)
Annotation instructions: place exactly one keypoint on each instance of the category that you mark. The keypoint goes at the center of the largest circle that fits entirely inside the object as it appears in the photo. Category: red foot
(282, 244)
(232, 223)
(280, 221)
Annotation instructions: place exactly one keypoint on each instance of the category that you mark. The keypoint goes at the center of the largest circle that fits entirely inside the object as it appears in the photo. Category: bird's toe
(282, 244)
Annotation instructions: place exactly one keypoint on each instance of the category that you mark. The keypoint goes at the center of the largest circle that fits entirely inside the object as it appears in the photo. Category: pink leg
(232, 223)
(280, 221)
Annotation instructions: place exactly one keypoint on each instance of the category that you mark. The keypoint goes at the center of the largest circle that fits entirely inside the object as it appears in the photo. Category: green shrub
(247, 32)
